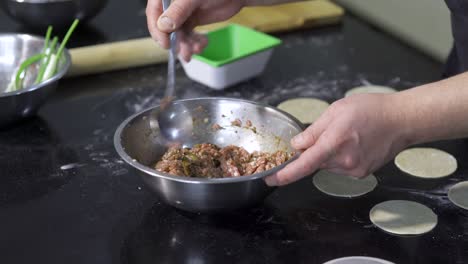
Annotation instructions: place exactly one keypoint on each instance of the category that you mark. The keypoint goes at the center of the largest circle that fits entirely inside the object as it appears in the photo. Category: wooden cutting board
(144, 51)
(285, 17)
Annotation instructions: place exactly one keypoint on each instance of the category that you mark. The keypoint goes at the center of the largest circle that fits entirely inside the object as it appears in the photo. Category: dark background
(66, 197)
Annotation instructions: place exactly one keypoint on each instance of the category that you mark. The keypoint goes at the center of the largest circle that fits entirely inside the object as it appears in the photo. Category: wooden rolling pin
(144, 51)
(114, 56)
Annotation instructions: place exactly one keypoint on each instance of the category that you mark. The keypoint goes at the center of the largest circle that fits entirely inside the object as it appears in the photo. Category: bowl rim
(154, 173)
(47, 82)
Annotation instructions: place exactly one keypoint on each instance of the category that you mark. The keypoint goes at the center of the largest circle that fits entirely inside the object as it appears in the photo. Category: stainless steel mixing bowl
(58, 13)
(14, 49)
(138, 142)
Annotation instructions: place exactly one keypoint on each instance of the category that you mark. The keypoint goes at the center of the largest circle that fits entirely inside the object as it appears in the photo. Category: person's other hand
(183, 16)
(354, 137)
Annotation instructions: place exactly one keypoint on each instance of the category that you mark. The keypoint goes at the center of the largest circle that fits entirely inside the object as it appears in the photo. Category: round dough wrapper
(426, 162)
(306, 110)
(458, 194)
(343, 186)
(370, 89)
(358, 260)
(402, 217)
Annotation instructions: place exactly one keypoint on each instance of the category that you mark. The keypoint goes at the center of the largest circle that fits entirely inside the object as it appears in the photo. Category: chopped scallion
(20, 75)
(49, 59)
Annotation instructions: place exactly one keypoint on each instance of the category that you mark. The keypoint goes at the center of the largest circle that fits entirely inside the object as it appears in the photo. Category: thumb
(176, 15)
(308, 162)
(310, 136)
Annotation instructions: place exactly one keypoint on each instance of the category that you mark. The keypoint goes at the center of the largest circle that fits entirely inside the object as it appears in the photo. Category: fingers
(199, 43)
(185, 46)
(176, 15)
(347, 163)
(153, 12)
(161, 24)
(311, 134)
(189, 44)
(307, 163)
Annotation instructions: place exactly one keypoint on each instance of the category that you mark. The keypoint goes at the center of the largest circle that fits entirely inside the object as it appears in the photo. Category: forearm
(435, 111)
(268, 2)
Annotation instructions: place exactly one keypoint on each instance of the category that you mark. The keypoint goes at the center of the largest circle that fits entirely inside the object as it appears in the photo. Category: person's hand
(183, 16)
(354, 137)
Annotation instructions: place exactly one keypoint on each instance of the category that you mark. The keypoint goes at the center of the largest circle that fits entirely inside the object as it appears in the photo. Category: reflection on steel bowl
(138, 142)
(18, 105)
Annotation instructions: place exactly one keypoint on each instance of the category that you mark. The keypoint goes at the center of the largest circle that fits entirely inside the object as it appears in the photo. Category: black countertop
(66, 197)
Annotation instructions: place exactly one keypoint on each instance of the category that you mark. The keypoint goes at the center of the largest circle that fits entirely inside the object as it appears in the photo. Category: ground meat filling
(210, 161)
(216, 127)
(237, 122)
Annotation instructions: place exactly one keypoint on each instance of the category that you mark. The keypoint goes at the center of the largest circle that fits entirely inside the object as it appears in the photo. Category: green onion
(52, 46)
(186, 166)
(46, 42)
(45, 50)
(21, 71)
(51, 67)
(55, 58)
(66, 38)
(40, 76)
(191, 157)
(50, 57)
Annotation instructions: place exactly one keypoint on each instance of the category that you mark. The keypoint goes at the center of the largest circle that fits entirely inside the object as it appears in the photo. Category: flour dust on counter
(438, 194)
(316, 86)
(293, 41)
(393, 83)
(99, 155)
(70, 166)
(321, 85)
(142, 103)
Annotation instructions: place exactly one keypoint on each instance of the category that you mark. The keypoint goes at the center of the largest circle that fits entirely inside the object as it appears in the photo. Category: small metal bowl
(138, 142)
(39, 14)
(17, 105)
